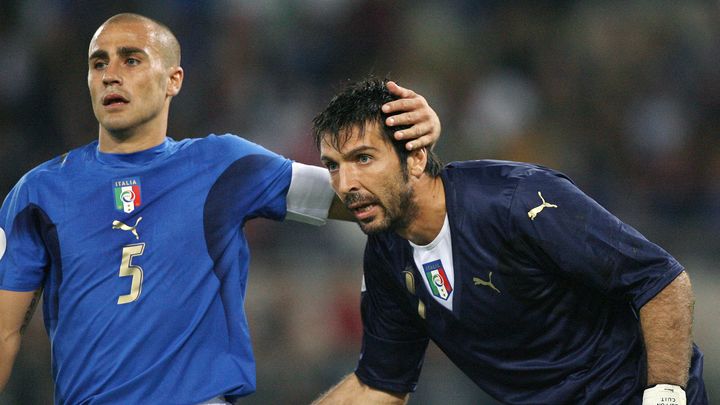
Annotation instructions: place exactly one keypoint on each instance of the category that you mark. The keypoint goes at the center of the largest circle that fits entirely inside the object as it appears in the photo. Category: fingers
(412, 110)
(421, 135)
(414, 102)
(410, 117)
(399, 91)
(424, 125)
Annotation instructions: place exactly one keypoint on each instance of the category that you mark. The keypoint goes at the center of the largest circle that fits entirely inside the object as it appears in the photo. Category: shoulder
(50, 170)
(228, 150)
(44, 177)
(491, 184)
(484, 194)
(228, 144)
(494, 171)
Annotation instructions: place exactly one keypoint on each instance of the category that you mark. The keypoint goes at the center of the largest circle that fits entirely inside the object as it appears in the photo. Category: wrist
(664, 394)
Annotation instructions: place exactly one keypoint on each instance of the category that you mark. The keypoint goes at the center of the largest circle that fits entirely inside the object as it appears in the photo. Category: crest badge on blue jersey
(438, 280)
(127, 194)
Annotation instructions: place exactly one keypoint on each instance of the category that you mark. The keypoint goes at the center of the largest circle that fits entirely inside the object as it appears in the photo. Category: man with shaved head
(168, 45)
(136, 240)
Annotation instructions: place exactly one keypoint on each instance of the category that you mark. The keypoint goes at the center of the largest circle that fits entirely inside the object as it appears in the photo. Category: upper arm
(24, 229)
(16, 309)
(678, 293)
(250, 181)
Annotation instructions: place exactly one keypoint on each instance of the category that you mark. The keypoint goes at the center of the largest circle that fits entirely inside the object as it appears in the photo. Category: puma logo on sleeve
(535, 211)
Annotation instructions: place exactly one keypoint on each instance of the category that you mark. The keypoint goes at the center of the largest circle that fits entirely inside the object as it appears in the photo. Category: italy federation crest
(127, 194)
(439, 283)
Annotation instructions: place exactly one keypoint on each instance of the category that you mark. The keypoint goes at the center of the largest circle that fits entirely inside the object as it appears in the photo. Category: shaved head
(163, 37)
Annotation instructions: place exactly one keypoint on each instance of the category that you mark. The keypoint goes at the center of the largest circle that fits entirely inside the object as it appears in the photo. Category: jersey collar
(133, 159)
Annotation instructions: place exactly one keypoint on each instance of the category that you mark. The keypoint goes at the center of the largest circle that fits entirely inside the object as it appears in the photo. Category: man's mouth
(363, 210)
(114, 99)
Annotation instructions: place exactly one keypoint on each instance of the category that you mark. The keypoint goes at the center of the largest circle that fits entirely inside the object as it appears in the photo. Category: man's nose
(347, 180)
(111, 75)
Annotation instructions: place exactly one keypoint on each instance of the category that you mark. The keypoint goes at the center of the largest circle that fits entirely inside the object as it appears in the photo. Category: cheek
(150, 93)
(334, 183)
(92, 86)
(392, 187)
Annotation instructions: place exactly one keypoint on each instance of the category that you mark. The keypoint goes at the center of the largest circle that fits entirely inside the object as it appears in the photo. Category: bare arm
(666, 322)
(16, 309)
(351, 391)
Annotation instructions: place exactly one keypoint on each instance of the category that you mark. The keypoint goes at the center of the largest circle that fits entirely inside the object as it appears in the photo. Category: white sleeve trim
(3, 243)
(310, 194)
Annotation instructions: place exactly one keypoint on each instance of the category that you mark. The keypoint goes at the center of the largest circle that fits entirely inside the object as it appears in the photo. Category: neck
(429, 200)
(120, 144)
(142, 137)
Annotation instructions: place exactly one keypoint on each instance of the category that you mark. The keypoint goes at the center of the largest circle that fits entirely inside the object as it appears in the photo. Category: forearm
(352, 391)
(666, 322)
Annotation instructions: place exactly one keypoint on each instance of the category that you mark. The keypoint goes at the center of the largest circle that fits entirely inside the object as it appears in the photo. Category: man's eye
(133, 62)
(99, 65)
(364, 158)
(331, 166)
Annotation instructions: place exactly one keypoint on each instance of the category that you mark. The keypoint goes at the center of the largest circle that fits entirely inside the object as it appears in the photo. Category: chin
(116, 127)
(374, 227)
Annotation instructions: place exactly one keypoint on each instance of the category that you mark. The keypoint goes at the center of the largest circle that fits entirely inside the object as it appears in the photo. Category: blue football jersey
(548, 287)
(144, 266)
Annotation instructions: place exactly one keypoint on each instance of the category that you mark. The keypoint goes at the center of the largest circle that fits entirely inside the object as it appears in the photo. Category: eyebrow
(352, 152)
(123, 51)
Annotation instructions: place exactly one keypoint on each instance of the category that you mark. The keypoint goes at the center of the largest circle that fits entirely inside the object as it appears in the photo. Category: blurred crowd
(623, 96)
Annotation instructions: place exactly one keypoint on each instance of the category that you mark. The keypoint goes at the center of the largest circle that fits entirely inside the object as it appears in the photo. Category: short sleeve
(255, 182)
(574, 235)
(23, 254)
(310, 194)
(394, 341)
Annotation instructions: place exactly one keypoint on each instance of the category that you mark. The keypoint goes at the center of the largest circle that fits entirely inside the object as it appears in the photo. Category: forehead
(369, 135)
(136, 34)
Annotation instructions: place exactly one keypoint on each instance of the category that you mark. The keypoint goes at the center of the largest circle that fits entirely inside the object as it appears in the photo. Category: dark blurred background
(623, 96)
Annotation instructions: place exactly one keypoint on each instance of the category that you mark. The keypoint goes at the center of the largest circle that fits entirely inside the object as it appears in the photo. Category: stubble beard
(398, 212)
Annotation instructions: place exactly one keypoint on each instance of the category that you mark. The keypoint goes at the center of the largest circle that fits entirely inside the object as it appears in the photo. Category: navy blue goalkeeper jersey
(144, 265)
(548, 287)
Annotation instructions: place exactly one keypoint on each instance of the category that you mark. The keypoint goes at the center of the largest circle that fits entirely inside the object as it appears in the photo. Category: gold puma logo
(535, 211)
(119, 225)
(489, 283)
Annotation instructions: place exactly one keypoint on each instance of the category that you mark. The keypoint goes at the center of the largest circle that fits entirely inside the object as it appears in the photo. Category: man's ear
(416, 161)
(175, 81)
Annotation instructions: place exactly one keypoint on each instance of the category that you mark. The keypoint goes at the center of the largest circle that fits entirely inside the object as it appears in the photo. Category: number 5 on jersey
(128, 269)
